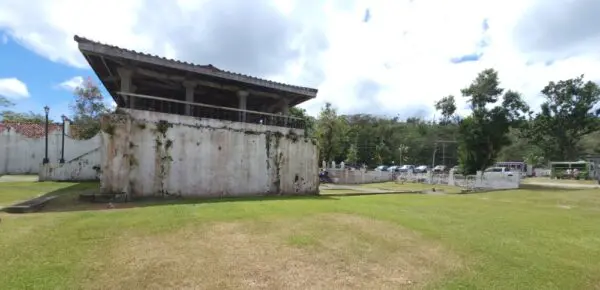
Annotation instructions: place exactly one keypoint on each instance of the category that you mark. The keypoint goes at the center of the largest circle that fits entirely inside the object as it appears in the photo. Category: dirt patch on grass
(333, 251)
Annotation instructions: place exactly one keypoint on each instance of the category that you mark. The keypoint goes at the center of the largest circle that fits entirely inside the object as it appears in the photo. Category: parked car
(439, 169)
(381, 168)
(421, 169)
(393, 168)
(406, 168)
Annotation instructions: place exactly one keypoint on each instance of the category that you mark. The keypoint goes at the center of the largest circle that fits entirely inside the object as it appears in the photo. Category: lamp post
(62, 147)
(46, 160)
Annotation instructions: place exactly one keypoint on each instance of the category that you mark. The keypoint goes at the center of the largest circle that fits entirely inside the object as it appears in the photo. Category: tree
(330, 133)
(352, 155)
(569, 113)
(309, 121)
(484, 133)
(16, 117)
(402, 153)
(9, 116)
(88, 107)
(4, 102)
(379, 153)
(447, 107)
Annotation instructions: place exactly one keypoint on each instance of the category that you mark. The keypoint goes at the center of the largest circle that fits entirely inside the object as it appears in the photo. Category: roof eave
(90, 47)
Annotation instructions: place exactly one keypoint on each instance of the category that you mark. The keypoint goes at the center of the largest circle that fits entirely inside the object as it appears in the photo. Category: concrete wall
(344, 176)
(23, 155)
(82, 168)
(155, 154)
(489, 180)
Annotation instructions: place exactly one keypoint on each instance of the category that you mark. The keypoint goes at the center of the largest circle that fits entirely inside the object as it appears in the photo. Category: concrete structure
(345, 176)
(195, 130)
(22, 148)
(85, 167)
(487, 180)
(594, 161)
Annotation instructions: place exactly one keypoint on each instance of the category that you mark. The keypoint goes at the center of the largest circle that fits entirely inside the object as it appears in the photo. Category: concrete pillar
(125, 75)
(189, 96)
(242, 96)
(285, 110)
(285, 107)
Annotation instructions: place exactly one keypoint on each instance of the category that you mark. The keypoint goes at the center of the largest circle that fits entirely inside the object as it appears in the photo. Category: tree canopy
(500, 126)
(87, 109)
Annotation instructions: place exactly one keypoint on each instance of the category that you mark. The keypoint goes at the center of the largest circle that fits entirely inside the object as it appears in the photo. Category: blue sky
(42, 77)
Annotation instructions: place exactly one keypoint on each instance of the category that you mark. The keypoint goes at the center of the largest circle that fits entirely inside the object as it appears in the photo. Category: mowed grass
(412, 186)
(13, 192)
(522, 239)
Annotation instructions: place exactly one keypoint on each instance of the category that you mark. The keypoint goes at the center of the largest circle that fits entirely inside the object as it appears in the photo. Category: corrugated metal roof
(208, 69)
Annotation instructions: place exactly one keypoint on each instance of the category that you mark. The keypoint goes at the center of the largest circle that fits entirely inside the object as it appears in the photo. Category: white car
(501, 170)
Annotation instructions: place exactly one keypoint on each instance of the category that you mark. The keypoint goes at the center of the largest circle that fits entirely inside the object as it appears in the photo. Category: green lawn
(521, 239)
(13, 192)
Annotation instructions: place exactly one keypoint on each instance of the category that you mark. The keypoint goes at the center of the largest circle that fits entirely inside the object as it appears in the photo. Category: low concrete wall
(82, 168)
(489, 180)
(20, 154)
(150, 154)
(344, 176)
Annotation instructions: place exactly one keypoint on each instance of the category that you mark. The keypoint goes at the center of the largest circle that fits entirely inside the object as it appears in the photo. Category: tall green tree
(330, 133)
(447, 107)
(352, 154)
(87, 109)
(484, 133)
(569, 113)
(309, 121)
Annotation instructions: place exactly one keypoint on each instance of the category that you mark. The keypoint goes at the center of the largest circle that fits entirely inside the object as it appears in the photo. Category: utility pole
(443, 142)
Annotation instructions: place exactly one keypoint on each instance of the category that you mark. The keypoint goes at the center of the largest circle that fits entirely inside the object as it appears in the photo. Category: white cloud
(13, 88)
(71, 84)
(397, 62)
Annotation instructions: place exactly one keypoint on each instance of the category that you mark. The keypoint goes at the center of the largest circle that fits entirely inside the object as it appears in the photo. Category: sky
(385, 57)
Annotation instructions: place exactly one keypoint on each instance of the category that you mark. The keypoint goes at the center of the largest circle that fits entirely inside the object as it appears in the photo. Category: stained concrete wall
(155, 154)
(82, 168)
(23, 155)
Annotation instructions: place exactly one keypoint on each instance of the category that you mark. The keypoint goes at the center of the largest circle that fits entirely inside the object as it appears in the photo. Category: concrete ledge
(31, 205)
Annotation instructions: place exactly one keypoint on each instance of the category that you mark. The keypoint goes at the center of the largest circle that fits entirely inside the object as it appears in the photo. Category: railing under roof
(199, 110)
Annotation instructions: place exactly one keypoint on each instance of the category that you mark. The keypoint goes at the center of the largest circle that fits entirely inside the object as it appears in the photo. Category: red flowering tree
(87, 108)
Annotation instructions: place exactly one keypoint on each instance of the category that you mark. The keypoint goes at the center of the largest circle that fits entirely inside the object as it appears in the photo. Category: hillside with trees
(500, 127)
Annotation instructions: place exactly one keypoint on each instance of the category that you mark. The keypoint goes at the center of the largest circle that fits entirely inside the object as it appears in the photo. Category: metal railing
(199, 110)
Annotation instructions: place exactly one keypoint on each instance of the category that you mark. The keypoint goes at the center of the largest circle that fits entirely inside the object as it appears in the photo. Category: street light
(46, 160)
(62, 150)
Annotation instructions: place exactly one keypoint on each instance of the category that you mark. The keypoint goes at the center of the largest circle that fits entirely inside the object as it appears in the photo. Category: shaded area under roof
(99, 54)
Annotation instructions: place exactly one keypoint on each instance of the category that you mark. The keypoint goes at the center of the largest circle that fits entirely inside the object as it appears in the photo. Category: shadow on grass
(68, 199)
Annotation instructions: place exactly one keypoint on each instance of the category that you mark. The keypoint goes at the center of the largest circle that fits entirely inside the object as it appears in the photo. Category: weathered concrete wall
(344, 176)
(489, 180)
(82, 168)
(23, 155)
(154, 154)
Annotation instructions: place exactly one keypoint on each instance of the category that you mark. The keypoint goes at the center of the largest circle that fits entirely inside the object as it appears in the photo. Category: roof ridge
(225, 73)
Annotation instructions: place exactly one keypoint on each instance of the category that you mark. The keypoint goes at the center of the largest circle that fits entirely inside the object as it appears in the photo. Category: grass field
(559, 181)
(521, 239)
